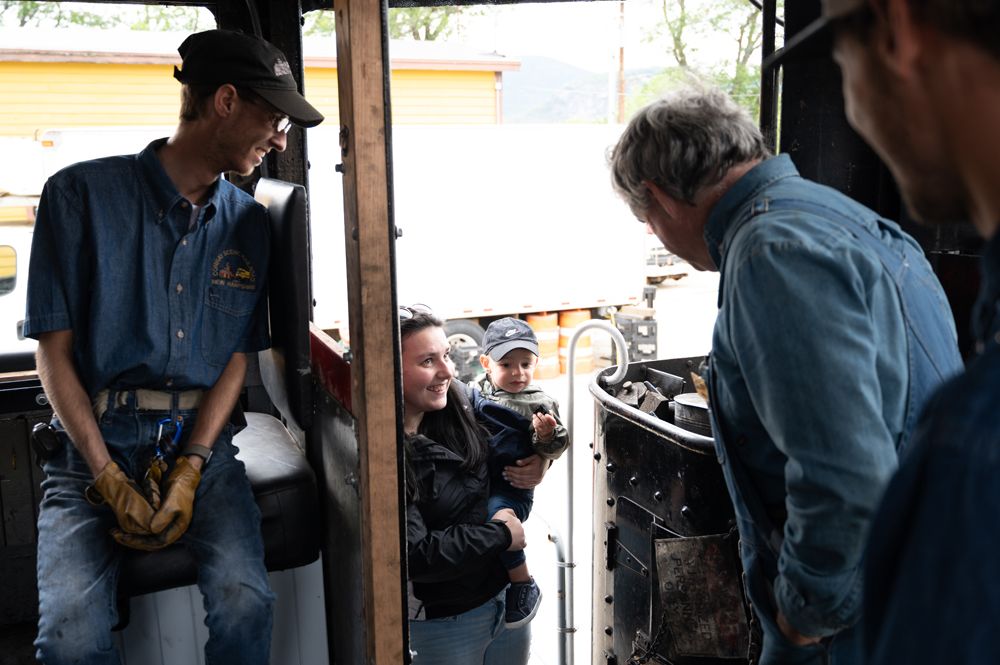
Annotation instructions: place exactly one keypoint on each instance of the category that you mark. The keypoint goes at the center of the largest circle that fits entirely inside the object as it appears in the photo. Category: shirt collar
(160, 189)
(743, 190)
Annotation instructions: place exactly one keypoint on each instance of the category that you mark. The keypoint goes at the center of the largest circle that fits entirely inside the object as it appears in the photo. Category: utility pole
(621, 64)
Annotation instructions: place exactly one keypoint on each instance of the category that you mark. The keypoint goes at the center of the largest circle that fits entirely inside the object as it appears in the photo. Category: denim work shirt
(151, 303)
(933, 577)
(811, 382)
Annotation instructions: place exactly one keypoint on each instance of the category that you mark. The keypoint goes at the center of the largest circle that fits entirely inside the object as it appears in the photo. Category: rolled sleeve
(818, 395)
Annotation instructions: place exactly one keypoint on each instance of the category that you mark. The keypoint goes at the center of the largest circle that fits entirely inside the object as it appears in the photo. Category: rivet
(633, 481)
(610, 467)
(609, 598)
(597, 456)
(608, 630)
(611, 501)
(658, 496)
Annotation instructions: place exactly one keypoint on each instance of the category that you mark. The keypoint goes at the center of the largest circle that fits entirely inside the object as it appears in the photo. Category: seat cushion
(284, 487)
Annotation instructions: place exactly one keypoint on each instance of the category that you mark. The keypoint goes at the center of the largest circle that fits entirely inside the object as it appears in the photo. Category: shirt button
(180, 334)
(184, 242)
(170, 382)
(160, 214)
(179, 288)
(184, 204)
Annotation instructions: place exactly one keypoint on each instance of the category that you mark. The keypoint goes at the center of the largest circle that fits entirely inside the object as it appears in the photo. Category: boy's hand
(528, 473)
(545, 426)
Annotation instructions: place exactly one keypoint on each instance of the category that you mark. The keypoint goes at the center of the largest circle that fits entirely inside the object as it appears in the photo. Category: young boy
(509, 358)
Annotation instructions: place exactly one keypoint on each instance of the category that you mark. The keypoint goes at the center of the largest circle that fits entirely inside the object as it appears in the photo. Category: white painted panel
(311, 610)
(178, 639)
(142, 636)
(284, 636)
(168, 628)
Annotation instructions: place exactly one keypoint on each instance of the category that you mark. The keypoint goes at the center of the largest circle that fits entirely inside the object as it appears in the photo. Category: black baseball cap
(217, 57)
(816, 39)
(505, 335)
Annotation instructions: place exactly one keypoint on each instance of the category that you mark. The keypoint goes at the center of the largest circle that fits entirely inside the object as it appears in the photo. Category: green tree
(320, 23)
(419, 23)
(59, 15)
(22, 14)
(687, 23)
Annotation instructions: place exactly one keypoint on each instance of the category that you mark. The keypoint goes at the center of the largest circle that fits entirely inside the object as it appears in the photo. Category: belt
(147, 400)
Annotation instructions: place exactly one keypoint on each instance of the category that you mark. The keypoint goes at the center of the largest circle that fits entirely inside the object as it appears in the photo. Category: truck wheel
(656, 280)
(466, 340)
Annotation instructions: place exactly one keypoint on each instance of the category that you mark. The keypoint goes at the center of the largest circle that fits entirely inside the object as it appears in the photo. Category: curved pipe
(566, 617)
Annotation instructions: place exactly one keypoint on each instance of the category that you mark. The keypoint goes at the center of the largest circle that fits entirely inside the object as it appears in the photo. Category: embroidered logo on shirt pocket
(232, 269)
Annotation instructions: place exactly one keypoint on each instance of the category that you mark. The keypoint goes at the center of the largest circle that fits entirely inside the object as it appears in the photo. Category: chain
(648, 652)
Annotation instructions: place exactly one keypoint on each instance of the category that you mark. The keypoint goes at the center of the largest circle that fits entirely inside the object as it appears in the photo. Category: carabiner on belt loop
(172, 446)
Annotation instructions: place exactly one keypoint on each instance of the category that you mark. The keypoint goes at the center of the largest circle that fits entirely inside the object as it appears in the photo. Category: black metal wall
(824, 147)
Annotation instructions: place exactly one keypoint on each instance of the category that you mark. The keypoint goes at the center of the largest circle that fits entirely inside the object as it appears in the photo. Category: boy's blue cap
(505, 335)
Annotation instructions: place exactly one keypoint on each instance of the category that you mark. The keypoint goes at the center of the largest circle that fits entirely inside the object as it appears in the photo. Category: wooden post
(376, 394)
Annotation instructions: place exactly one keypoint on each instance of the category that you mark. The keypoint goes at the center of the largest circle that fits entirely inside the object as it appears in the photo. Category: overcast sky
(584, 34)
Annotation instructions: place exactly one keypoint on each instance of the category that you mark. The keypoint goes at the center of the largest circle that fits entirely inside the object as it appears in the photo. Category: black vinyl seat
(284, 487)
(283, 483)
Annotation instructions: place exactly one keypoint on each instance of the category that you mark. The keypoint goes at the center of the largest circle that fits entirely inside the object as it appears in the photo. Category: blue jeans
(78, 560)
(476, 637)
(520, 501)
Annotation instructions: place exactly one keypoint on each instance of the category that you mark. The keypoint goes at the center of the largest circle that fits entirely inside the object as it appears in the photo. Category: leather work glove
(174, 516)
(124, 497)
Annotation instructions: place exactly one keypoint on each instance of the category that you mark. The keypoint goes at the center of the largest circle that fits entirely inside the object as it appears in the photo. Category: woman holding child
(457, 583)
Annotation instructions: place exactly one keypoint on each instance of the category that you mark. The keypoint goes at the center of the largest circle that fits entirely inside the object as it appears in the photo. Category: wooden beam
(376, 393)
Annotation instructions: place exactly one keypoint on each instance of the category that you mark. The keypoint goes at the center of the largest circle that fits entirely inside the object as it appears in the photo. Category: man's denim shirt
(151, 303)
(811, 377)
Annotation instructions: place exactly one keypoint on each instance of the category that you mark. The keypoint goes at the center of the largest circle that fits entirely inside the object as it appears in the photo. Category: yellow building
(58, 78)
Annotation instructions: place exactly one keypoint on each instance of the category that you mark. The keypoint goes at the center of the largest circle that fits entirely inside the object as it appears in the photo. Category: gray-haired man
(820, 302)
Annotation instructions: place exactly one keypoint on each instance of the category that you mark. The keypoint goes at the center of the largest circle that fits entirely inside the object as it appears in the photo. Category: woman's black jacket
(452, 545)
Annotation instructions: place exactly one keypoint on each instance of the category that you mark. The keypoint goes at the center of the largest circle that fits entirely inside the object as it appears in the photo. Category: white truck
(496, 220)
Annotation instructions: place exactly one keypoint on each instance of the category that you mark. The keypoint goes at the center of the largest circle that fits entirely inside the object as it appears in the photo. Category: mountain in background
(547, 90)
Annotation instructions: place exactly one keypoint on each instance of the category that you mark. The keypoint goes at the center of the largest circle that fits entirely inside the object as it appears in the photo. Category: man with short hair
(831, 333)
(146, 292)
(922, 86)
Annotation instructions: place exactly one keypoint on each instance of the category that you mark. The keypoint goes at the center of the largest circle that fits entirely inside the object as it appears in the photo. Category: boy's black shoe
(523, 600)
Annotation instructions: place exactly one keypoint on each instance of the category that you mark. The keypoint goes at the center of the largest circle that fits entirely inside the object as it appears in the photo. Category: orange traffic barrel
(546, 327)
(568, 321)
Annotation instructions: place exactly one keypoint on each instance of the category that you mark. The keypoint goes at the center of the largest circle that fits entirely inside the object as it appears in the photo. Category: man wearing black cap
(145, 294)
(922, 86)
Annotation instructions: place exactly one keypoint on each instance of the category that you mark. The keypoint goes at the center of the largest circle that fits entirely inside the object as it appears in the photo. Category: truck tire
(466, 340)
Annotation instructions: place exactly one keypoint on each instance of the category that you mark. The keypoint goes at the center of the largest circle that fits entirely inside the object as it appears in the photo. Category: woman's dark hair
(454, 426)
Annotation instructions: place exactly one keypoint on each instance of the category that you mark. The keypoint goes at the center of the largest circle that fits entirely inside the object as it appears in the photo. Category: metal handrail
(566, 626)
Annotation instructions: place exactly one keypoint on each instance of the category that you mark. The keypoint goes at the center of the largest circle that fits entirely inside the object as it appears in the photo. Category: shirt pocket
(227, 313)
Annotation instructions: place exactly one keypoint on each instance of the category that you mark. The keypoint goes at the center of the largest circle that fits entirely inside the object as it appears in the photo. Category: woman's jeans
(476, 637)
(78, 559)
